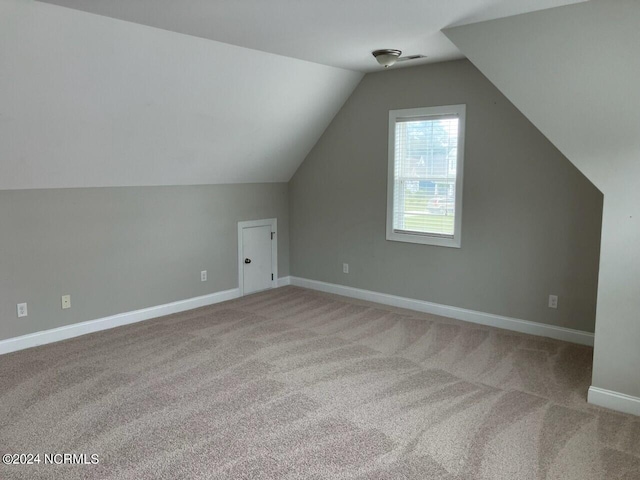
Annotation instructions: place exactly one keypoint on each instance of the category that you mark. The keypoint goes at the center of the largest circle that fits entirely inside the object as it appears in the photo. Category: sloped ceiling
(89, 101)
(573, 71)
(331, 32)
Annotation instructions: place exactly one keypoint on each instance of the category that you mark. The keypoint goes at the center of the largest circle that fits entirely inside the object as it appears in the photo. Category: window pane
(425, 175)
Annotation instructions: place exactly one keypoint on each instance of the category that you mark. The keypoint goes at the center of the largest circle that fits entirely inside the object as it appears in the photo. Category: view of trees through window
(425, 175)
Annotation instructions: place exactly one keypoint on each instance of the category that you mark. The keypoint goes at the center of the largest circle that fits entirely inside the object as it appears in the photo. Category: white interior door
(257, 261)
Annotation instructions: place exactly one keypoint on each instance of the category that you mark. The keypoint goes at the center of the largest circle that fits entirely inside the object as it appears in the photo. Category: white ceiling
(89, 101)
(578, 83)
(330, 32)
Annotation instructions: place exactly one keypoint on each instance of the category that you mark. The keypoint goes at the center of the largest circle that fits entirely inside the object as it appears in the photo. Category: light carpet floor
(295, 384)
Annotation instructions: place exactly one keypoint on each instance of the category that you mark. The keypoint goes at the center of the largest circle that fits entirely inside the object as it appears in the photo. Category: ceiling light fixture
(387, 56)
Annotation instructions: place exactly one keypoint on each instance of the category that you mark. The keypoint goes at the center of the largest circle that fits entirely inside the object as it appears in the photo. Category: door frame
(273, 223)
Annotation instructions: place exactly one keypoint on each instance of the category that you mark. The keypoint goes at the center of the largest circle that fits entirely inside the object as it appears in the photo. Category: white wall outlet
(345, 268)
(22, 310)
(66, 302)
(553, 301)
(203, 276)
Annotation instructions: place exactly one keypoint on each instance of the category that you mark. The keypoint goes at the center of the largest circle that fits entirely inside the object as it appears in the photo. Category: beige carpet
(294, 384)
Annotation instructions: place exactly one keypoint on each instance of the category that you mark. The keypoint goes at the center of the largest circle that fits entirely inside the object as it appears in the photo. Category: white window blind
(425, 159)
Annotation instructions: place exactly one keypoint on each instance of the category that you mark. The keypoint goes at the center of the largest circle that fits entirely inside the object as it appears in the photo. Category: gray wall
(531, 220)
(578, 83)
(120, 249)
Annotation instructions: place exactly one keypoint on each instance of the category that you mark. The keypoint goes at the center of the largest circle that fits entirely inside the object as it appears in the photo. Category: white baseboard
(82, 328)
(614, 400)
(507, 323)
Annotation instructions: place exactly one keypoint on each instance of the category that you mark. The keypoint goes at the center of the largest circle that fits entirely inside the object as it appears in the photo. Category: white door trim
(273, 223)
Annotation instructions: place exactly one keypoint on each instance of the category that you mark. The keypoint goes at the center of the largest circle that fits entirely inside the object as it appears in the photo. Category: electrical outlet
(203, 276)
(553, 301)
(22, 310)
(345, 268)
(66, 302)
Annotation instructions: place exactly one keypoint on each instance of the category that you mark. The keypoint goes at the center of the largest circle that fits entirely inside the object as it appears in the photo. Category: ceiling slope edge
(570, 70)
(92, 101)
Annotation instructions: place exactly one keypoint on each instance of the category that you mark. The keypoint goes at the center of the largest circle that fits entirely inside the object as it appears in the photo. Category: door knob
(247, 260)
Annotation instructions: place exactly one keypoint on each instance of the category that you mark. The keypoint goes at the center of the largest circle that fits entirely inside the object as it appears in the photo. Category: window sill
(424, 239)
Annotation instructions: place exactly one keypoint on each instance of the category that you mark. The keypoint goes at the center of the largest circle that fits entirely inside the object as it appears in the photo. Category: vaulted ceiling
(222, 92)
(573, 71)
(577, 82)
(89, 101)
(331, 32)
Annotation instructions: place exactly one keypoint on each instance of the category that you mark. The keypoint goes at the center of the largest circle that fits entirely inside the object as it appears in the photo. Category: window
(424, 198)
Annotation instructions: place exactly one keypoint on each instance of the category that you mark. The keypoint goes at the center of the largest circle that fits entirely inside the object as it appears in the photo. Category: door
(257, 261)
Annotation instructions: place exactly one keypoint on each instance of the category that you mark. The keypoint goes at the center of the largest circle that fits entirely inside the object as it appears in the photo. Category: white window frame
(419, 237)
